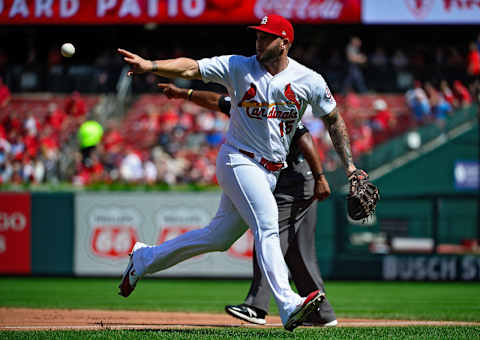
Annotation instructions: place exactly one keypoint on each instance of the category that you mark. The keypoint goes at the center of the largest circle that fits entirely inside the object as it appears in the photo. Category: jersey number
(285, 127)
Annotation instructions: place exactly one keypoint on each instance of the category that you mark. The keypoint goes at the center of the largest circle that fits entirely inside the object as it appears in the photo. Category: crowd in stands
(176, 142)
(430, 103)
(173, 142)
(34, 135)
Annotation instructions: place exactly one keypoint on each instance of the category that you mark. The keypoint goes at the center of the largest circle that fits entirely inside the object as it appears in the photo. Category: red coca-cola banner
(15, 233)
(175, 11)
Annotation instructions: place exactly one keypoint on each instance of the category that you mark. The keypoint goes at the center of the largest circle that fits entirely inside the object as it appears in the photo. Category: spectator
(56, 117)
(382, 120)
(150, 171)
(131, 167)
(418, 103)
(91, 173)
(38, 172)
(355, 59)
(462, 94)
(473, 66)
(75, 106)
(448, 94)
(27, 169)
(31, 125)
(440, 107)
(6, 170)
(361, 136)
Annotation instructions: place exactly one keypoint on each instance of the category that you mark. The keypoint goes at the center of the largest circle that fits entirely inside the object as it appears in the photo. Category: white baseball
(68, 50)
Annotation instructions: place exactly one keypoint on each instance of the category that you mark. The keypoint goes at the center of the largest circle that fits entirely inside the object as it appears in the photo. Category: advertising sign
(431, 268)
(421, 12)
(15, 233)
(466, 175)
(107, 227)
(174, 11)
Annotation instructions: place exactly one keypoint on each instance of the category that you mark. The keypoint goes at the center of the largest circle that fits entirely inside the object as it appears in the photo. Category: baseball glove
(363, 197)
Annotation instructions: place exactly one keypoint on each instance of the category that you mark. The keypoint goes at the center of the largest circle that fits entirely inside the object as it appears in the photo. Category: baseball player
(295, 194)
(269, 93)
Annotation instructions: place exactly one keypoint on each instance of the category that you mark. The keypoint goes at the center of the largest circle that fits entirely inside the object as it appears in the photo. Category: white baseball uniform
(265, 112)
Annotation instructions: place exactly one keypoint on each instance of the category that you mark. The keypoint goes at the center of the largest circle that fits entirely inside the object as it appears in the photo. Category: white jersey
(266, 108)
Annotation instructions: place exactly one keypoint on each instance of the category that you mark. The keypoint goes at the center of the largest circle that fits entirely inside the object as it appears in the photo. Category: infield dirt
(56, 319)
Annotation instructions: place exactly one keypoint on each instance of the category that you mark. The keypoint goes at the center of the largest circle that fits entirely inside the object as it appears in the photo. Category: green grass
(384, 300)
(373, 333)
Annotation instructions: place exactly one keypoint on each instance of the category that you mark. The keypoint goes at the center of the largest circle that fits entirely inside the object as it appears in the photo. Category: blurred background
(405, 74)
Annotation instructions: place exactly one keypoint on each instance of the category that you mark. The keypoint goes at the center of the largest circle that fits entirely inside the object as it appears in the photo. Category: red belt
(269, 165)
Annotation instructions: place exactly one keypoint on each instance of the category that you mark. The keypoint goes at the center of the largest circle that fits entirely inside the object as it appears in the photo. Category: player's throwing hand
(138, 64)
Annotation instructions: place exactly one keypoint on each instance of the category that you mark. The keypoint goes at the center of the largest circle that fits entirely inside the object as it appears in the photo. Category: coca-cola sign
(310, 10)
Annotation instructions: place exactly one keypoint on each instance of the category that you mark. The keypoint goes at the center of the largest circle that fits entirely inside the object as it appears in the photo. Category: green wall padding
(52, 233)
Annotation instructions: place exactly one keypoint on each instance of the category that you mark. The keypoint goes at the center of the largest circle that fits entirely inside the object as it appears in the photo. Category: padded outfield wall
(90, 234)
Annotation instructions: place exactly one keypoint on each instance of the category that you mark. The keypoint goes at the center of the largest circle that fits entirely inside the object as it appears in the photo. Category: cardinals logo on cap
(264, 20)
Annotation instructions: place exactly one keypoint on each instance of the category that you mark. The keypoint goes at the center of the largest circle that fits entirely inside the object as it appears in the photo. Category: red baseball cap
(276, 25)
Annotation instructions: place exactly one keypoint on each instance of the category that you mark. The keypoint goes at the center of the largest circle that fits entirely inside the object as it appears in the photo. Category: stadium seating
(153, 121)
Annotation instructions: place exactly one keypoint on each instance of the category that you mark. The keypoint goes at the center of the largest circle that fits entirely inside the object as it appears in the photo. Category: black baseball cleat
(247, 313)
(311, 304)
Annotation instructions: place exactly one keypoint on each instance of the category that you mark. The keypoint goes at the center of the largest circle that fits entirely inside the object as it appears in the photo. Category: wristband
(189, 94)
(317, 176)
(154, 66)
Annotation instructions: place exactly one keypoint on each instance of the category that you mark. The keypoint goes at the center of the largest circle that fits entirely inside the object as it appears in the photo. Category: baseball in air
(68, 50)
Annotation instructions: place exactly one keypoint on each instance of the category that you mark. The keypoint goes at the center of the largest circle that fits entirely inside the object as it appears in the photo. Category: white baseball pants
(247, 196)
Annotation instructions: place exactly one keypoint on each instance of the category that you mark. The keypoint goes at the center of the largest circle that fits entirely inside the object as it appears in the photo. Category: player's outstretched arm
(170, 68)
(306, 145)
(206, 99)
(341, 142)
